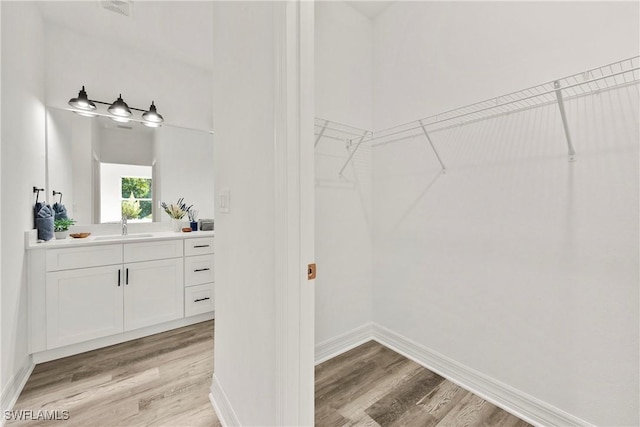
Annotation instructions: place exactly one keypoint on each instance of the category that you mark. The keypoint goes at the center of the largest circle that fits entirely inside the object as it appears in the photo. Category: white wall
(85, 152)
(2, 407)
(245, 359)
(184, 166)
(126, 146)
(23, 119)
(343, 46)
(516, 263)
(59, 157)
(344, 57)
(433, 56)
(181, 92)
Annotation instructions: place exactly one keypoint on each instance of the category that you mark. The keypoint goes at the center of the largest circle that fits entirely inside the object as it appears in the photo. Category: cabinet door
(83, 304)
(153, 292)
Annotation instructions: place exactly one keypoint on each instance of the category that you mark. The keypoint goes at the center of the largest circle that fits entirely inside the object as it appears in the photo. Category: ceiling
(370, 9)
(181, 30)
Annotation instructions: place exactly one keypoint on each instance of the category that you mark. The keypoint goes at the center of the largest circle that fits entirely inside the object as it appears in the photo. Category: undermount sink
(119, 236)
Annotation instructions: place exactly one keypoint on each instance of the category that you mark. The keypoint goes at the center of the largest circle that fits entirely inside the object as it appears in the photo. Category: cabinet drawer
(199, 246)
(148, 251)
(198, 299)
(198, 269)
(82, 257)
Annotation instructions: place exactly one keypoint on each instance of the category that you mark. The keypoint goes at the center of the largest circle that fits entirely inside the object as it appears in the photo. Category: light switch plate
(224, 201)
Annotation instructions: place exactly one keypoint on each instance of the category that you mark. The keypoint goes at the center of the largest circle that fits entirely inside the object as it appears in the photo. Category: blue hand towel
(60, 211)
(44, 221)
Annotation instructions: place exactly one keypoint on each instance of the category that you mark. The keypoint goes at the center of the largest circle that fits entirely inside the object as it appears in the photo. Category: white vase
(61, 235)
(177, 225)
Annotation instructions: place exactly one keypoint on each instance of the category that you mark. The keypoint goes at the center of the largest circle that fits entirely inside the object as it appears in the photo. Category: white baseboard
(221, 404)
(11, 393)
(334, 346)
(514, 401)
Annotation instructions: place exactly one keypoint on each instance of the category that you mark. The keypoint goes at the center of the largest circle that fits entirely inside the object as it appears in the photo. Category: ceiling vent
(121, 7)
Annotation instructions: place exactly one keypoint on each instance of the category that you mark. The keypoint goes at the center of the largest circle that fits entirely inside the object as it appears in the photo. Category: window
(136, 198)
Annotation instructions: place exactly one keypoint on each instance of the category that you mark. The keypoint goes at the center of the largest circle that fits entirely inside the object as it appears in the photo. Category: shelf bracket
(565, 124)
(319, 137)
(353, 152)
(424, 130)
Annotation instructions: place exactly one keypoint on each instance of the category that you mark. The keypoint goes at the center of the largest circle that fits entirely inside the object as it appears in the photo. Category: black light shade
(152, 115)
(82, 102)
(120, 108)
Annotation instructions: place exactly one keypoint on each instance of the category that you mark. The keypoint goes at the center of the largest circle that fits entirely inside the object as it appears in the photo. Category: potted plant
(61, 227)
(176, 211)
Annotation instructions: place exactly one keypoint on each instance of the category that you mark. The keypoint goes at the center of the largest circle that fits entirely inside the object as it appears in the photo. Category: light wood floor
(372, 385)
(164, 380)
(160, 380)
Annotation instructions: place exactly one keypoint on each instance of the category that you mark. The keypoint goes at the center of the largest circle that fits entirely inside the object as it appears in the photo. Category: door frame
(294, 211)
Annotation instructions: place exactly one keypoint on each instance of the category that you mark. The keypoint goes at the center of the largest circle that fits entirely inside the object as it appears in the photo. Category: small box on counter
(206, 225)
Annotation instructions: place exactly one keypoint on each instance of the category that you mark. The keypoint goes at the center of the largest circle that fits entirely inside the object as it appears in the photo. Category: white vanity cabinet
(84, 296)
(153, 283)
(83, 304)
(153, 292)
(199, 270)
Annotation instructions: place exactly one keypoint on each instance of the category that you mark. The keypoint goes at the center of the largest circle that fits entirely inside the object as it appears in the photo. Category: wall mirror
(102, 167)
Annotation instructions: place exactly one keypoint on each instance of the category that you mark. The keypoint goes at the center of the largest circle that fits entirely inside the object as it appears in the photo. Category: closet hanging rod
(341, 124)
(493, 107)
(331, 137)
(327, 128)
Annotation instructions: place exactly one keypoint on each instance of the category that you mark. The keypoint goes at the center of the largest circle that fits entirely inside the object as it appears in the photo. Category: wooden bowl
(186, 230)
(79, 235)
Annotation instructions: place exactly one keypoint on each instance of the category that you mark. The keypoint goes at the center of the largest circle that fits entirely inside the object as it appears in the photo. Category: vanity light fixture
(119, 110)
(151, 117)
(82, 102)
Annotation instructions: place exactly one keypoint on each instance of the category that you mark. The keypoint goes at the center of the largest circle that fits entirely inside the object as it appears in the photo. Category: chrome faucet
(124, 225)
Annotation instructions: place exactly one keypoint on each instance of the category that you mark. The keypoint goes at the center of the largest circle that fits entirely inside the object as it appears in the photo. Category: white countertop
(98, 239)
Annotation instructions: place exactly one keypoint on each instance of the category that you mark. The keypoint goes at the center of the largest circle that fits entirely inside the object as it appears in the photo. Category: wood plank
(164, 380)
(404, 397)
(373, 386)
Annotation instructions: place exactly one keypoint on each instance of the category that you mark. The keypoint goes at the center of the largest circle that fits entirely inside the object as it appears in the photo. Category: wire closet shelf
(351, 136)
(607, 77)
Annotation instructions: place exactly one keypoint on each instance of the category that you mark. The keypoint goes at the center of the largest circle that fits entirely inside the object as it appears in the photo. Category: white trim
(306, 114)
(518, 403)
(335, 346)
(287, 220)
(222, 406)
(293, 225)
(11, 393)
